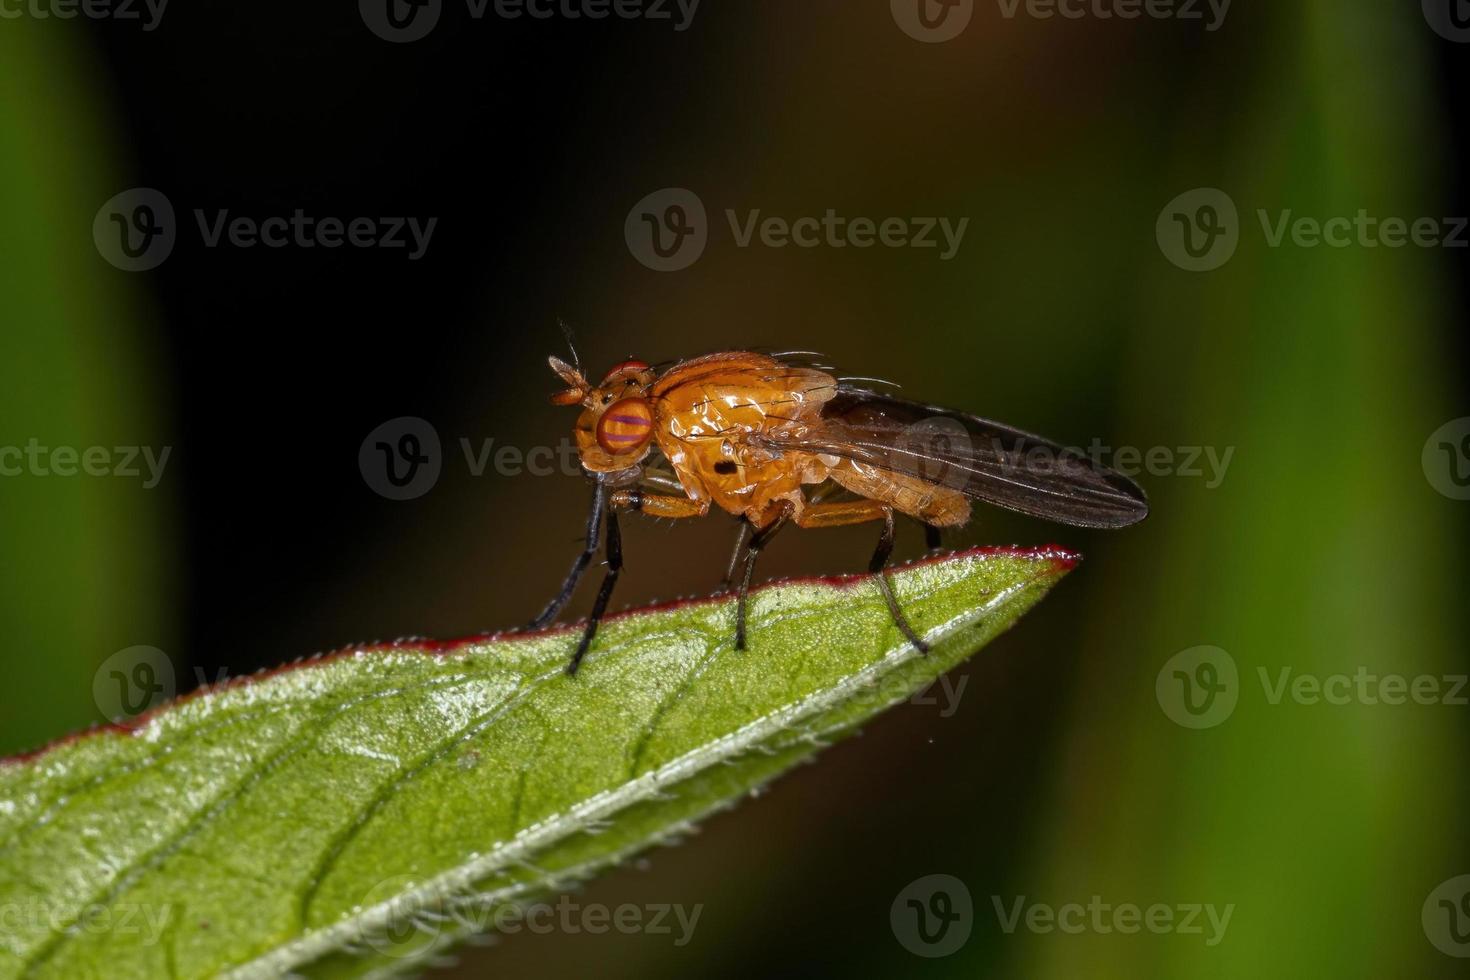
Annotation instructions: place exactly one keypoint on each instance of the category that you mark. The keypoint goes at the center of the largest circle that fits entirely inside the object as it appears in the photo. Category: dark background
(1059, 777)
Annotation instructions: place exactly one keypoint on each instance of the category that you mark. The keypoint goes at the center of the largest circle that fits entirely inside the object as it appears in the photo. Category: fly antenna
(571, 374)
(566, 331)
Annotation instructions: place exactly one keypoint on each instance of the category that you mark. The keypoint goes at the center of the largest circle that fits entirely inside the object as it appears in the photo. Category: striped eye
(625, 426)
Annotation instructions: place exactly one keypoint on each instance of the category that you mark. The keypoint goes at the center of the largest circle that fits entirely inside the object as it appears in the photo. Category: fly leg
(859, 512)
(637, 500)
(758, 541)
(740, 541)
(876, 566)
(932, 540)
(594, 536)
(658, 504)
(604, 593)
(729, 578)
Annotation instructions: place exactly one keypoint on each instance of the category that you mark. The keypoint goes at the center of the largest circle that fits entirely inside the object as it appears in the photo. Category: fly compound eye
(626, 426)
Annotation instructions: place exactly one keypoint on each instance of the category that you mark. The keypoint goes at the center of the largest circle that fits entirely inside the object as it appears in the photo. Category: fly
(768, 438)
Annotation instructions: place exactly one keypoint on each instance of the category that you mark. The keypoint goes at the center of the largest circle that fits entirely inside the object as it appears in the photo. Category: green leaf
(75, 358)
(359, 812)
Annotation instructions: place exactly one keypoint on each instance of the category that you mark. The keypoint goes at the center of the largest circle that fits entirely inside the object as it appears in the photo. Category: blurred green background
(1058, 775)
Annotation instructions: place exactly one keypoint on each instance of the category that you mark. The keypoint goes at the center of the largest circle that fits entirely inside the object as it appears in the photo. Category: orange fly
(767, 437)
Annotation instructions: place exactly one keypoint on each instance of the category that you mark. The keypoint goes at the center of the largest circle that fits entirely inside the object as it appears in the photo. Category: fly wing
(984, 460)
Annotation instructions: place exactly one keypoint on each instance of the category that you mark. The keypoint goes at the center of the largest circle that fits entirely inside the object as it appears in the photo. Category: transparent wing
(984, 460)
